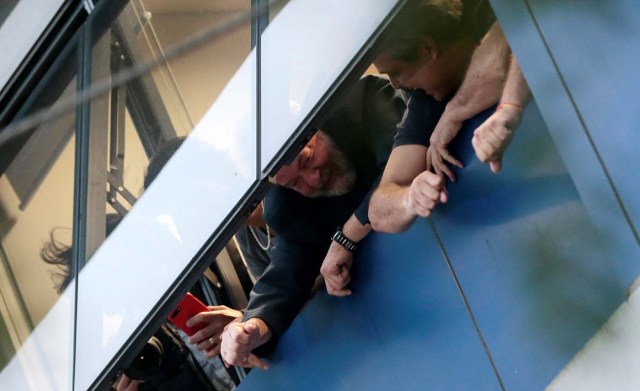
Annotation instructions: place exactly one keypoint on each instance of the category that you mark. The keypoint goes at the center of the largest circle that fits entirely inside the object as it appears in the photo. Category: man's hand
(336, 270)
(437, 156)
(446, 130)
(426, 190)
(216, 319)
(492, 138)
(240, 338)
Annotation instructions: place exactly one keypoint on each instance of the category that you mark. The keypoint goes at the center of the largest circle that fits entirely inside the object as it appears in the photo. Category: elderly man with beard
(322, 194)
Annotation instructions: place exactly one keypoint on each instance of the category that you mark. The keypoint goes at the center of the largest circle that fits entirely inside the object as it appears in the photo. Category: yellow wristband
(503, 105)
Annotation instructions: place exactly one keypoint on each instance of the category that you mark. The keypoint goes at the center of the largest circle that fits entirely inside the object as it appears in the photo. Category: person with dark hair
(319, 211)
(454, 51)
(179, 368)
(433, 51)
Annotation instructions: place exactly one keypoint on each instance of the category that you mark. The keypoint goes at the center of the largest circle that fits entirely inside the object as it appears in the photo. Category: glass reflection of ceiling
(5, 9)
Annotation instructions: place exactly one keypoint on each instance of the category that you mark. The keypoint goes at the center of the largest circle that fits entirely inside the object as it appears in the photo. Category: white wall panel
(610, 360)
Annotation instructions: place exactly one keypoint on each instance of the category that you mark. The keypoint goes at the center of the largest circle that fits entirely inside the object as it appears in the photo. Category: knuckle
(424, 213)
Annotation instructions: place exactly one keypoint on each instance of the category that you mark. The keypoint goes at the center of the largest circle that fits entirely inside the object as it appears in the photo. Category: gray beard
(344, 168)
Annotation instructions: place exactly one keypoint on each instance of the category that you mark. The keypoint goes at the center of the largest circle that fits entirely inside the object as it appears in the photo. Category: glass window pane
(201, 75)
(206, 94)
(275, 8)
(297, 69)
(5, 9)
(15, 39)
(37, 293)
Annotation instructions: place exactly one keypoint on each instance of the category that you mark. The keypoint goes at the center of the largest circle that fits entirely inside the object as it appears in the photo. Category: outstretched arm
(493, 137)
(481, 88)
(240, 338)
(280, 293)
(406, 191)
(216, 319)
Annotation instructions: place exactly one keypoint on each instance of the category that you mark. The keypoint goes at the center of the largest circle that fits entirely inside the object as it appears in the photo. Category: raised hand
(426, 191)
(493, 137)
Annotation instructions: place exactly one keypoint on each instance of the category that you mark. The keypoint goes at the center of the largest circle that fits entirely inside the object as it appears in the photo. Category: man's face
(427, 73)
(319, 170)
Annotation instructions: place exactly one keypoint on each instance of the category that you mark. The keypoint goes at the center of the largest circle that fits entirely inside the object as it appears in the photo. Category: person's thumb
(496, 166)
(444, 196)
(251, 328)
(254, 361)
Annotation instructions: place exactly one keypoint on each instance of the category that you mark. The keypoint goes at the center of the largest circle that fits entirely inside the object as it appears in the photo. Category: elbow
(376, 224)
(386, 224)
(384, 218)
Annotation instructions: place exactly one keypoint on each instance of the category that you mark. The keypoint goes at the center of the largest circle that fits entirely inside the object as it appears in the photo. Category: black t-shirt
(419, 120)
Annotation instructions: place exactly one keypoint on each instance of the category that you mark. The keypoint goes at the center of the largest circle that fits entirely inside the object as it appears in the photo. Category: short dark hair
(440, 20)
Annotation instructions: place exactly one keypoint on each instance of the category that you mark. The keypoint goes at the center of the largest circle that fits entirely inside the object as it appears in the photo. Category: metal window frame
(40, 58)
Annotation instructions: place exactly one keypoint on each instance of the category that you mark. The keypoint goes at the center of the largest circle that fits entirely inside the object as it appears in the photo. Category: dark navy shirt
(363, 127)
(419, 120)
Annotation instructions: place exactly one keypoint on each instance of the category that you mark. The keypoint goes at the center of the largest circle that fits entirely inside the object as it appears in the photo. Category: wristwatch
(344, 241)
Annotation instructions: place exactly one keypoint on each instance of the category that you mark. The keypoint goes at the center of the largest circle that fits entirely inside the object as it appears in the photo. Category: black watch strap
(344, 241)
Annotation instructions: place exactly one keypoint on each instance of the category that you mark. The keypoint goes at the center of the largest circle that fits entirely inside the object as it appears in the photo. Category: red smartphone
(188, 307)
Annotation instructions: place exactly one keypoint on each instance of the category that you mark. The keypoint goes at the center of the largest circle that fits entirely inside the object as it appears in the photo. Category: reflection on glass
(298, 69)
(36, 204)
(190, 84)
(172, 100)
(173, 97)
(167, 102)
(274, 9)
(5, 9)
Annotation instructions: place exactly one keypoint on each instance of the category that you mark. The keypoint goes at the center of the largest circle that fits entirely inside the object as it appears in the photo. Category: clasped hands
(226, 334)
(240, 338)
(216, 319)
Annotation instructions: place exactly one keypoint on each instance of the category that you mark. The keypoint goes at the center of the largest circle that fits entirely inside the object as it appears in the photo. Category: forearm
(516, 91)
(355, 230)
(280, 293)
(388, 209)
(277, 305)
(492, 138)
(484, 80)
